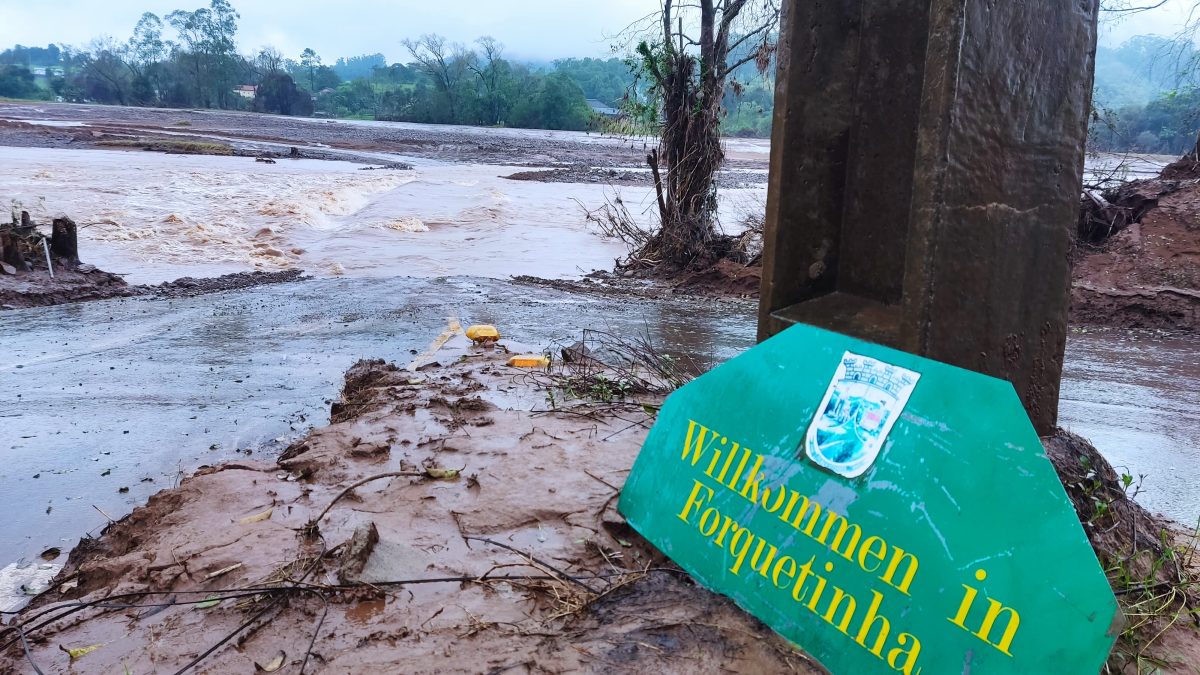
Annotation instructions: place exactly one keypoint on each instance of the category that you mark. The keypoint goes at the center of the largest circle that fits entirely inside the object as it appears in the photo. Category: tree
(445, 64)
(1182, 56)
(326, 78)
(688, 74)
(278, 93)
(208, 35)
(492, 72)
(562, 104)
(146, 45)
(108, 70)
(269, 60)
(145, 51)
(310, 62)
(355, 67)
(606, 80)
(16, 82)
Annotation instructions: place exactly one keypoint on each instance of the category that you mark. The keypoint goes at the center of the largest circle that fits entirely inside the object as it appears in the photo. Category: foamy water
(155, 217)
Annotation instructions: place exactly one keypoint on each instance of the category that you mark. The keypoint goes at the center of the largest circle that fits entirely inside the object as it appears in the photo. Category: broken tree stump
(10, 250)
(64, 240)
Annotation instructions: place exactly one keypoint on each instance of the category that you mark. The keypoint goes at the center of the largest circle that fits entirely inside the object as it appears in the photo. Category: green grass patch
(170, 146)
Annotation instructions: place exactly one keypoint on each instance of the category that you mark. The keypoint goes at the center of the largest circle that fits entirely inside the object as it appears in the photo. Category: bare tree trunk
(64, 241)
(691, 89)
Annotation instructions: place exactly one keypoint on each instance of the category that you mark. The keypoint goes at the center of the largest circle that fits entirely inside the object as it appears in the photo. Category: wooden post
(10, 252)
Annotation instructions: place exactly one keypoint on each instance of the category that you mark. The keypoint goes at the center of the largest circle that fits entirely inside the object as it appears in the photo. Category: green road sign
(883, 511)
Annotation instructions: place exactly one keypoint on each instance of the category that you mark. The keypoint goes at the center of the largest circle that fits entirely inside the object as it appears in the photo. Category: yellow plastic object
(529, 361)
(480, 332)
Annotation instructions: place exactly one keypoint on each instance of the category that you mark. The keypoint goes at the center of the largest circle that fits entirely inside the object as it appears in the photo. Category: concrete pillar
(926, 165)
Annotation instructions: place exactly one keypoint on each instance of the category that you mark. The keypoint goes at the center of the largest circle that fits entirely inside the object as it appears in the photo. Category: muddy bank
(511, 147)
(85, 283)
(1149, 561)
(173, 141)
(37, 289)
(727, 179)
(1136, 259)
(1137, 264)
(187, 287)
(724, 279)
(40, 265)
(494, 546)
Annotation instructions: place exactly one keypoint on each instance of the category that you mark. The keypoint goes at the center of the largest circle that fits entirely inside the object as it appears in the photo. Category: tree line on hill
(190, 59)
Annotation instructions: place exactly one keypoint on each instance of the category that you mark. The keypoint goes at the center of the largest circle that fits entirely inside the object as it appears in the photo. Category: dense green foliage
(21, 55)
(279, 94)
(1168, 125)
(1144, 93)
(1145, 97)
(605, 80)
(17, 82)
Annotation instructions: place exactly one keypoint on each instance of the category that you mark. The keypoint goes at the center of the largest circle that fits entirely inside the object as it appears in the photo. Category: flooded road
(102, 404)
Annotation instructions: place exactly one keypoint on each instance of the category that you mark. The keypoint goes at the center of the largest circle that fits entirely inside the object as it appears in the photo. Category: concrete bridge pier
(926, 165)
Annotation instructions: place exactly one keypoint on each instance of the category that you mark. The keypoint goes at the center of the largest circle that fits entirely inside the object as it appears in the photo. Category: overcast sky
(536, 29)
(1166, 20)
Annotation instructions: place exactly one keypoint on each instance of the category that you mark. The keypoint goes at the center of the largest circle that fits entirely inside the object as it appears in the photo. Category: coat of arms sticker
(862, 404)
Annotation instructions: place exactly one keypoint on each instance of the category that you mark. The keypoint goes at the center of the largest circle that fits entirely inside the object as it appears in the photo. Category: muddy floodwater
(105, 403)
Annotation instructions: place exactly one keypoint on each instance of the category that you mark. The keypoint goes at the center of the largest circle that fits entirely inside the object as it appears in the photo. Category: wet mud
(449, 520)
(589, 174)
(515, 562)
(1138, 262)
(132, 392)
(38, 289)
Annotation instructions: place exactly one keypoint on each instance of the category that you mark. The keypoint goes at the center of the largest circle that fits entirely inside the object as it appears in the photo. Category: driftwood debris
(22, 246)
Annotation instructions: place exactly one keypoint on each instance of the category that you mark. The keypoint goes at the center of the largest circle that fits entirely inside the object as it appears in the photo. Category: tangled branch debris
(1151, 565)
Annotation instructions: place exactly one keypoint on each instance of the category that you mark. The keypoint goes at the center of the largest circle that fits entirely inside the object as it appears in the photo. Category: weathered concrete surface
(927, 161)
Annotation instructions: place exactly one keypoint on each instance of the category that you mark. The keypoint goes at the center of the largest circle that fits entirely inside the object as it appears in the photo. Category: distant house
(326, 91)
(39, 72)
(602, 109)
(245, 90)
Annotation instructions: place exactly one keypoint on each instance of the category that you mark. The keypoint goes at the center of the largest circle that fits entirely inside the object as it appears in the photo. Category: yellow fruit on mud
(529, 361)
(481, 332)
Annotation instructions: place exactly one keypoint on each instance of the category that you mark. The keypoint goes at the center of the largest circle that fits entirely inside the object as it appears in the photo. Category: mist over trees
(1147, 96)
